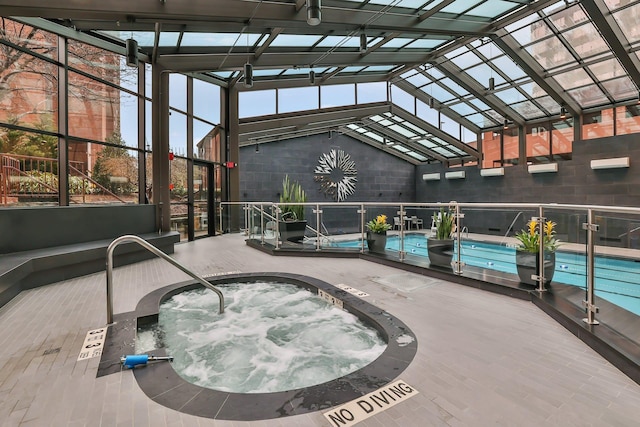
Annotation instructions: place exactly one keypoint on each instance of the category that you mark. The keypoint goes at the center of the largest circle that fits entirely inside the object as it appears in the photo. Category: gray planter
(440, 252)
(376, 242)
(527, 264)
(292, 231)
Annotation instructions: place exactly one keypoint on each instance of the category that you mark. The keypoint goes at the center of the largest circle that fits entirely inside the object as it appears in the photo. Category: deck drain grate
(51, 351)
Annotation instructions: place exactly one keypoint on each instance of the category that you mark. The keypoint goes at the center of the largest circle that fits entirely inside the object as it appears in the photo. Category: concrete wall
(381, 176)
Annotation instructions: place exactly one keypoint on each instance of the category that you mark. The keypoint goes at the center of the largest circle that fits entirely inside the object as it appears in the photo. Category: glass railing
(593, 250)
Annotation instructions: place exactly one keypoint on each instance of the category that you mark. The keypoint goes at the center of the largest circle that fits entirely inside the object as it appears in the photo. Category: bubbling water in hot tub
(271, 337)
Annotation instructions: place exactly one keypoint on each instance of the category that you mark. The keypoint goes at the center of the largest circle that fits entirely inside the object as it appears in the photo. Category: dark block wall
(34, 228)
(574, 183)
(381, 176)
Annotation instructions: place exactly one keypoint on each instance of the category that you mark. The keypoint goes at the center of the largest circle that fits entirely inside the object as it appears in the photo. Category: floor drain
(51, 351)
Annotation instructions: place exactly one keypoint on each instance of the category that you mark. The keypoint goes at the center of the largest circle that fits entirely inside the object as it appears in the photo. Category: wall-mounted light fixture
(431, 177)
(543, 168)
(455, 175)
(257, 148)
(563, 113)
(614, 163)
(314, 12)
(492, 172)
(132, 52)
(248, 75)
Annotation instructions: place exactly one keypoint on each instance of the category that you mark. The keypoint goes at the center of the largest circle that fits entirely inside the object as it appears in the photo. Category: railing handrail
(155, 251)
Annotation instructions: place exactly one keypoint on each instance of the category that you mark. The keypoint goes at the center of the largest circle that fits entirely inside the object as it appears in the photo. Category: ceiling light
(506, 124)
(563, 113)
(363, 42)
(492, 84)
(314, 14)
(132, 52)
(312, 77)
(432, 102)
(248, 75)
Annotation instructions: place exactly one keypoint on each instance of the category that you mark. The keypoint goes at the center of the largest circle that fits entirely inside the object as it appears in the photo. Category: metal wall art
(337, 175)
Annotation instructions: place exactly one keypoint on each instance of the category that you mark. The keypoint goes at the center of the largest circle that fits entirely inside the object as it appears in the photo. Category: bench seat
(29, 269)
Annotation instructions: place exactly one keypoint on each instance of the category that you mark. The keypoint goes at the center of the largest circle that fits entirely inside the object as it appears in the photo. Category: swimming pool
(617, 280)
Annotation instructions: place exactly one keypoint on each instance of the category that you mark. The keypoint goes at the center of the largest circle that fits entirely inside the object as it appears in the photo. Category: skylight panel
(397, 42)
(550, 53)
(219, 39)
(463, 109)
(401, 148)
(418, 80)
(402, 131)
(450, 84)
(375, 136)
(425, 43)
(573, 78)
(588, 96)
(627, 20)
(417, 156)
(510, 96)
(508, 67)
(467, 60)
(528, 110)
(621, 88)
(586, 40)
(492, 8)
(460, 6)
(294, 40)
(340, 41)
(436, 91)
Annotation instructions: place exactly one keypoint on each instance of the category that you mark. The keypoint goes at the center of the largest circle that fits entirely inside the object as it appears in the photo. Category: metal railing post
(262, 224)
(362, 211)
(589, 304)
(540, 276)
(317, 211)
(457, 264)
(402, 215)
(155, 251)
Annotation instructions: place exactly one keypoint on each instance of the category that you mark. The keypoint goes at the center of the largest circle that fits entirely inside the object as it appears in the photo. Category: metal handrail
(155, 251)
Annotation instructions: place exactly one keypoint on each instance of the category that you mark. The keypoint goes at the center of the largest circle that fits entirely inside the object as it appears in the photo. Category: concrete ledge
(30, 269)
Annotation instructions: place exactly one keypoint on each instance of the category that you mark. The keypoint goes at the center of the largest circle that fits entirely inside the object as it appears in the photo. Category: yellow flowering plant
(378, 225)
(530, 238)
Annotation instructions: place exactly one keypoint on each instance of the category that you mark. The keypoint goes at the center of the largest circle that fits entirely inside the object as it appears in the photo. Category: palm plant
(292, 192)
(444, 221)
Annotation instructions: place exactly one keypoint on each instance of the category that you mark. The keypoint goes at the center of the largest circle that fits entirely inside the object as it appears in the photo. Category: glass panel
(217, 39)
(550, 53)
(178, 133)
(597, 125)
(527, 109)
(128, 119)
(538, 143)
(508, 67)
(459, 6)
(466, 60)
(298, 99)
(589, 96)
(206, 101)
(28, 91)
(463, 109)
(337, 95)
(402, 99)
(201, 201)
(295, 40)
(586, 40)
(492, 8)
(511, 146)
(491, 156)
(36, 40)
(257, 103)
(102, 174)
(98, 62)
(573, 78)
(148, 80)
(627, 19)
(425, 43)
(426, 113)
(627, 119)
(95, 111)
(200, 132)
(178, 91)
(29, 168)
(562, 139)
(178, 195)
(208, 147)
(339, 41)
(371, 92)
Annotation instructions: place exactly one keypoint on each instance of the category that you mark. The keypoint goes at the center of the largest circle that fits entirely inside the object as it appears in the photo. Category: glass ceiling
(476, 62)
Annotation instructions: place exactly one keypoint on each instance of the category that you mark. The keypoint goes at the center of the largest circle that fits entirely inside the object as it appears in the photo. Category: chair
(419, 223)
(396, 223)
(414, 222)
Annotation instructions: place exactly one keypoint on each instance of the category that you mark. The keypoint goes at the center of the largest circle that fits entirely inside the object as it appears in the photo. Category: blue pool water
(617, 280)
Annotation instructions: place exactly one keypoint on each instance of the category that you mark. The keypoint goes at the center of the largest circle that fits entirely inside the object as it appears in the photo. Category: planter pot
(527, 264)
(440, 251)
(292, 231)
(376, 241)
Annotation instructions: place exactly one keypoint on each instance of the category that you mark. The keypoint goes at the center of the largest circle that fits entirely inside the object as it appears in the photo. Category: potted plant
(292, 223)
(377, 233)
(440, 244)
(528, 252)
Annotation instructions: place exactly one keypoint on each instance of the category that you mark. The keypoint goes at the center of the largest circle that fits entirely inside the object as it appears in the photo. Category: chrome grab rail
(155, 251)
